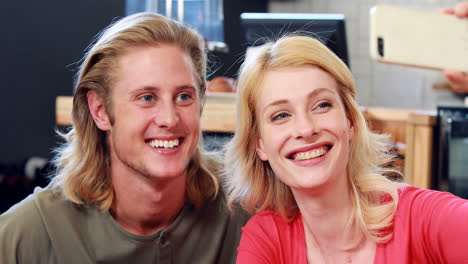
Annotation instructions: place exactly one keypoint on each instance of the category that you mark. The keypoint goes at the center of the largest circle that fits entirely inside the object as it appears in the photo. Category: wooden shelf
(219, 113)
(63, 109)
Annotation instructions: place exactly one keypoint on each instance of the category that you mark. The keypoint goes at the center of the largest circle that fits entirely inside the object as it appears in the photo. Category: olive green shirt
(46, 228)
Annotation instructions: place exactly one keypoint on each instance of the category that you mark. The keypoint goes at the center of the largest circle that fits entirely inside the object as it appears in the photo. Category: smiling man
(133, 184)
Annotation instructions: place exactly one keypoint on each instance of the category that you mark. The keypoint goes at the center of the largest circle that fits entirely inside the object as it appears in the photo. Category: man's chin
(156, 172)
(167, 173)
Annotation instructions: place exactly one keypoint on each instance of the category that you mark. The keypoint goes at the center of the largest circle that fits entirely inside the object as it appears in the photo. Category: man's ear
(260, 150)
(98, 111)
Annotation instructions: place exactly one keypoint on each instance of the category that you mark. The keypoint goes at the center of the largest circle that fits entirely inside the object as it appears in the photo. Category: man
(132, 183)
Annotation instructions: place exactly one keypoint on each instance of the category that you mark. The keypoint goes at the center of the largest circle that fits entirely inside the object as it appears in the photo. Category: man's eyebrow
(144, 89)
(185, 87)
(151, 88)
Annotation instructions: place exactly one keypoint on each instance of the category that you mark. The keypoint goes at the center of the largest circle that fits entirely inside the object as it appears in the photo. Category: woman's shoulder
(409, 192)
(429, 221)
(424, 199)
(269, 216)
(270, 236)
(268, 221)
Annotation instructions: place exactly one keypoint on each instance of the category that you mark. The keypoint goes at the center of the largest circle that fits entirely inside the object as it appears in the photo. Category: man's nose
(167, 115)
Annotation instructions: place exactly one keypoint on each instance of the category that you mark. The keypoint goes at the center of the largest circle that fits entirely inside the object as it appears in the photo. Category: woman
(304, 160)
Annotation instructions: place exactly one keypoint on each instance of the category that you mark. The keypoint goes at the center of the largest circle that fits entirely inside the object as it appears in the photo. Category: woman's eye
(324, 105)
(280, 116)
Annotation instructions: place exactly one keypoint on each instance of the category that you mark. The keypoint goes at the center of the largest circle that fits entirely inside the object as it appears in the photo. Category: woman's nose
(305, 126)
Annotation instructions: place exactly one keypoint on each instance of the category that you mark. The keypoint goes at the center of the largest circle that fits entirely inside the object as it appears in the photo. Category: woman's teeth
(310, 154)
(164, 143)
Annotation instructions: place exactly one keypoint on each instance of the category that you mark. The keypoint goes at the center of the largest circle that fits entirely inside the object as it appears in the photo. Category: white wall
(379, 85)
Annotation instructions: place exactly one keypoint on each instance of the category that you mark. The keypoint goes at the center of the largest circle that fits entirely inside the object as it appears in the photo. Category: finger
(448, 11)
(461, 10)
(457, 79)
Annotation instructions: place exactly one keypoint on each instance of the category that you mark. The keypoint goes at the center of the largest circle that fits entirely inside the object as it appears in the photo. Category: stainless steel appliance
(452, 167)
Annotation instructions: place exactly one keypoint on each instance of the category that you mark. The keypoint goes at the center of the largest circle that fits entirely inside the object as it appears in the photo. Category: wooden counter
(412, 131)
(219, 113)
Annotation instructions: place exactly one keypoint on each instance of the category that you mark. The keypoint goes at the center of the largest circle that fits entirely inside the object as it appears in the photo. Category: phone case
(418, 38)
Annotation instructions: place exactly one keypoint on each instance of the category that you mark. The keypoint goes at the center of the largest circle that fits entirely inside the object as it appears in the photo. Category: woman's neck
(328, 232)
(327, 214)
(327, 208)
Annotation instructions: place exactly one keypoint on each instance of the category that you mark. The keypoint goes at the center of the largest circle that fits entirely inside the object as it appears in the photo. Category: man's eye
(280, 116)
(147, 98)
(184, 97)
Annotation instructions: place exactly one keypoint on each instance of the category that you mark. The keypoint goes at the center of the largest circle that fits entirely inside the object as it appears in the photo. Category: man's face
(156, 110)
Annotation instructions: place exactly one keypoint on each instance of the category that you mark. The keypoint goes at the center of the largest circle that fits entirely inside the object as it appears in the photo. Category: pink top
(429, 227)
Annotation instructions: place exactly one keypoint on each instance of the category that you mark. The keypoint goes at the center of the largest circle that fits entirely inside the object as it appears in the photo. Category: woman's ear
(260, 150)
(98, 111)
(351, 129)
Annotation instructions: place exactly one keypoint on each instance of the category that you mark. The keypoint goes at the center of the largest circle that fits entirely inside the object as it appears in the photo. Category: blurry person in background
(133, 184)
(304, 160)
(457, 79)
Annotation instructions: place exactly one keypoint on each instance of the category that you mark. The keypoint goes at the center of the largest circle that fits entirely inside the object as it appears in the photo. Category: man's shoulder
(34, 213)
(25, 210)
(212, 229)
(22, 227)
(217, 207)
(27, 213)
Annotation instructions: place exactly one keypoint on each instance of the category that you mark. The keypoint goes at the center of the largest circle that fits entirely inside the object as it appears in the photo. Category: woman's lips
(310, 152)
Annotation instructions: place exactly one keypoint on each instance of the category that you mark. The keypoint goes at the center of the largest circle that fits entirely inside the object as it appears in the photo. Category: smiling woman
(304, 160)
(289, 125)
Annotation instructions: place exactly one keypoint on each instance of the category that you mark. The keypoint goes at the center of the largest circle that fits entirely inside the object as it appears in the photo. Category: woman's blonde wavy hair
(82, 163)
(251, 181)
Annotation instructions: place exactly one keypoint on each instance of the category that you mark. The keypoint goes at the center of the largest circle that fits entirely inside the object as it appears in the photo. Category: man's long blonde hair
(83, 162)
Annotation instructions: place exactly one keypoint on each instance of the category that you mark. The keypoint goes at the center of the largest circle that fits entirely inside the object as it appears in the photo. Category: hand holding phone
(418, 38)
(458, 80)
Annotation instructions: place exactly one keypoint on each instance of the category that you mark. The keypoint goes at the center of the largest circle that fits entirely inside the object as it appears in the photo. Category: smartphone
(418, 38)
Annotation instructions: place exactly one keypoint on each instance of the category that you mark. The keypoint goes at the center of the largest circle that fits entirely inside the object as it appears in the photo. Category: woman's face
(304, 132)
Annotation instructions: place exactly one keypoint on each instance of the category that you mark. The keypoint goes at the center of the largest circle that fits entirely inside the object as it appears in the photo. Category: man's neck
(143, 206)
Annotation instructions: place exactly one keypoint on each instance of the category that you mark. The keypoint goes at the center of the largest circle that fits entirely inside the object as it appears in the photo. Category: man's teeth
(164, 143)
(310, 154)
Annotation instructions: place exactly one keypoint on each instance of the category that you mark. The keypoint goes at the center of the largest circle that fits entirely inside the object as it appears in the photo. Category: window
(206, 16)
